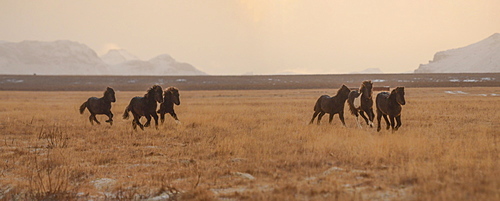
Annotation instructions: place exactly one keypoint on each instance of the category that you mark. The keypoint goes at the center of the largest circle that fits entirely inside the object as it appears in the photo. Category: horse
(100, 106)
(390, 105)
(365, 104)
(331, 105)
(170, 97)
(145, 106)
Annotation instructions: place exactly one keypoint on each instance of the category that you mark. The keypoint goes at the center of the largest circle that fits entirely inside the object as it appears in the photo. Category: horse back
(98, 105)
(140, 106)
(383, 102)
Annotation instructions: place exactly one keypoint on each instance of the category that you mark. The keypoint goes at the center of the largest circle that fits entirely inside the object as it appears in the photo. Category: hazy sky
(233, 37)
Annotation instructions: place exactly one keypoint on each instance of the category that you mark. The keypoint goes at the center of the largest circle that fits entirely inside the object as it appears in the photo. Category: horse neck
(150, 97)
(168, 99)
(392, 99)
(105, 99)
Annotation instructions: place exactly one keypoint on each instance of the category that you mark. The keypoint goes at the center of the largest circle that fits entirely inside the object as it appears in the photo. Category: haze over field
(260, 37)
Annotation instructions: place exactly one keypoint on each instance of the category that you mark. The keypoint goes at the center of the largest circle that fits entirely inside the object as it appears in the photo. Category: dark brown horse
(170, 97)
(365, 104)
(145, 106)
(331, 105)
(100, 106)
(390, 105)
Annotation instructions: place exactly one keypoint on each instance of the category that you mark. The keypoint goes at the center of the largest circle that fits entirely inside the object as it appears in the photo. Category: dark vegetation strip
(139, 83)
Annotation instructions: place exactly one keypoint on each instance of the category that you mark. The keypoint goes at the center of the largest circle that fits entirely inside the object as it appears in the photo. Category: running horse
(145, 106)
(364, 104)
(389, 104)
(170, 97)
(331, 105)
(100, 106)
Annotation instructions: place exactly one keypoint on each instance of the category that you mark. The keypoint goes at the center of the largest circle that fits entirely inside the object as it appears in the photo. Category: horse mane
(171, 89)
(151, 91)
(363, 88)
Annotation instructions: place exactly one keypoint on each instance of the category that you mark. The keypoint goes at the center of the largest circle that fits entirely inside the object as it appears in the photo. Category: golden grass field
(250, 145)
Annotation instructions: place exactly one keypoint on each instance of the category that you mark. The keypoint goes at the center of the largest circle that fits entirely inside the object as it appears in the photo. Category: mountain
(369, 71)
(160, 65)
(117, 56)
(55, 58)
(480, 57)
(71, 58)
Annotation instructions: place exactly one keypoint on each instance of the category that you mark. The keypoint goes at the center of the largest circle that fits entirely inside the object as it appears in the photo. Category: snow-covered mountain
(369, 71)
(117, 56)
(55, 58)
(480, 57)
(72, 58)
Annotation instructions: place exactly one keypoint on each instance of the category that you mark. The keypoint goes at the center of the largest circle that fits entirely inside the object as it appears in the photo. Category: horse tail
(82, 107)
(350, 100)
(317, 106)
(125, 114)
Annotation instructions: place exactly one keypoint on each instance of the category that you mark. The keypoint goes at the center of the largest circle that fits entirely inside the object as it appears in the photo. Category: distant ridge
(480, 57)
(65, 57)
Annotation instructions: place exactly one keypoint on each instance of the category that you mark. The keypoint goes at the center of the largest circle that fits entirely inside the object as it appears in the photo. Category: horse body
(171, 97)
(144, 106)
(331, 105)
(389, 104)
(365, 103)
(100, 106)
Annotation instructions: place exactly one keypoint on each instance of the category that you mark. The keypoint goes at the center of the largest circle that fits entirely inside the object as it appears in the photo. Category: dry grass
(250, 145)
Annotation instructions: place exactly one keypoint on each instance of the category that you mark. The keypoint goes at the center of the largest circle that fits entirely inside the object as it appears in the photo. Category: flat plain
(250, 145)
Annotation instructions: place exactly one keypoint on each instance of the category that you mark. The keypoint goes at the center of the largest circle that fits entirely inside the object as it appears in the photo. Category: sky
(236, 37)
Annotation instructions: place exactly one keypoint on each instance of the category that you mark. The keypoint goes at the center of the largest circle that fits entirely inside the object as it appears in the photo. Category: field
(250, 145)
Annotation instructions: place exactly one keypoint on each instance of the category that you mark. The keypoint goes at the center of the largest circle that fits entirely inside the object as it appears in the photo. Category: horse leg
(330, 119)
(314, 116)
(320, 116)
(386, 122)
(91, 119)
(110, 118)
(341, 117)
(398, 120)
(175, 117)
(155, 117)
(379, 118)
(371, 116)
(364, 117)
(148, 122)
(95, 119)
(393, 123)
(137, 122)
(162, 117)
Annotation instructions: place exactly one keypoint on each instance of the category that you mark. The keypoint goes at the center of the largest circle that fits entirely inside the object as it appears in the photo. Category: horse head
(367, 89)
(109, 94)
(156, 93)
(400, 95)
(172, 93)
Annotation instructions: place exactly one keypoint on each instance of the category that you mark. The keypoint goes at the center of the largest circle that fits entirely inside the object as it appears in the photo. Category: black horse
(364, 104)
(145, 106)
(100, 106)
(170, 97)
(390, 105)
(331, 105)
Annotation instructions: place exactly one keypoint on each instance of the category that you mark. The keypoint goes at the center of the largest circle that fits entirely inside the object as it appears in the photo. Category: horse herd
(139, 106)
(388, 105)
(360, 103)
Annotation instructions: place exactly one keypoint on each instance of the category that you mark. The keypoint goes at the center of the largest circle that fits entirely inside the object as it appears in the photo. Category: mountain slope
(480, 57)
(56, 58)
(72, 58)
